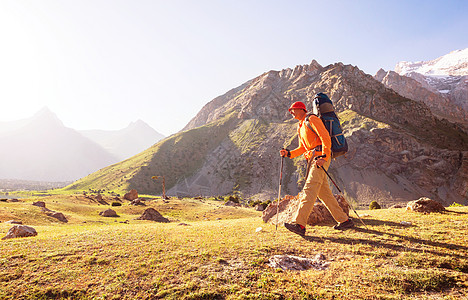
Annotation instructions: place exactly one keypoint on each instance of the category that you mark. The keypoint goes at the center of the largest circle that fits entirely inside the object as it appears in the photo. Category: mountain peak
(453, 64)
(46, 116)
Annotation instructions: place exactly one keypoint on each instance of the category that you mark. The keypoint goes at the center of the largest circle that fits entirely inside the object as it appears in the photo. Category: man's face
(297, 113)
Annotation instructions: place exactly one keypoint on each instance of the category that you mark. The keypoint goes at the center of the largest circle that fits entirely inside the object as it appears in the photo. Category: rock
(14, 222)
(395, 206)
(57, 215)
(295, 263)
(152, 215)
(137, 202)
(108, 213)
(13, 200)
(100, 199)
(132, 195)
(288, 207)
(425, 205)
(20, 231)
(39, 203)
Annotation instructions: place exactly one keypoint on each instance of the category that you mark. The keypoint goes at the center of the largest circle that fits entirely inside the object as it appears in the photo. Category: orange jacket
(309, 139)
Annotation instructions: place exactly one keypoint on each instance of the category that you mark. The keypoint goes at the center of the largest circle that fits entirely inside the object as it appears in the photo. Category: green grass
(221, 256)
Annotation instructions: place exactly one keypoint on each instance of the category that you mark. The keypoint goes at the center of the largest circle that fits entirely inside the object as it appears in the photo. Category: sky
(101, 64)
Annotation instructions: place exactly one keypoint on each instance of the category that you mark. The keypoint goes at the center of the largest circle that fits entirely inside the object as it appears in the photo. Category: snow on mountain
(453, 64)
(446, 75)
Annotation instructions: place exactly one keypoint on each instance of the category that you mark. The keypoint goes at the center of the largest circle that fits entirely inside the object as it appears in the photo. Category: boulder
(57, 215)
(108, 213)
(152, 215)
(288, 207)
(425, 205)
(20, 231)
(39, 203)
(132, 195)
(260, 207)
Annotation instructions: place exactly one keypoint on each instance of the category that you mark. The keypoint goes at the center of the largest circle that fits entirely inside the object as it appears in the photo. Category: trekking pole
(279, 191)
(342, 194)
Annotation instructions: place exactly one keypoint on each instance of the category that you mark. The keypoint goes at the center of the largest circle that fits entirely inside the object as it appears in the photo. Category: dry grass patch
(227, 258)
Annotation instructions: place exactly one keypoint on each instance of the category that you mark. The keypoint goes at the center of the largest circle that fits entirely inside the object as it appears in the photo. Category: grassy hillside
(175, 157)
(220, 255)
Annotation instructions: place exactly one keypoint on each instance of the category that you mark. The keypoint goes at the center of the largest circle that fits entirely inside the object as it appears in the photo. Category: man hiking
(316, 146)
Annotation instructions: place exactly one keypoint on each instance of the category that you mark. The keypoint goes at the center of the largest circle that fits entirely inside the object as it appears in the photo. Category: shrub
(234, 199)
(255, 203)
(455, 204)
(374, 205)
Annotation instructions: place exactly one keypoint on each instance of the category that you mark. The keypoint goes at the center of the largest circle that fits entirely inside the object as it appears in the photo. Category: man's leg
(309, 195)
(326, 196)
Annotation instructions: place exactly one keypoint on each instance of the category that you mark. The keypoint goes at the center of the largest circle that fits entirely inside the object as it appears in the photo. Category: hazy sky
(100, 64)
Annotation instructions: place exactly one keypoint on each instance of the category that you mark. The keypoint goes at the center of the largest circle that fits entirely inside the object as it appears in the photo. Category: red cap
(299, 105)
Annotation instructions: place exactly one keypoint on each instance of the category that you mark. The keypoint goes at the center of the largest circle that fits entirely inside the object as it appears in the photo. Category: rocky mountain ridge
(400, 150)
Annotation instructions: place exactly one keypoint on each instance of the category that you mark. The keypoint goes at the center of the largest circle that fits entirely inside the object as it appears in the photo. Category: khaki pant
(317, 185)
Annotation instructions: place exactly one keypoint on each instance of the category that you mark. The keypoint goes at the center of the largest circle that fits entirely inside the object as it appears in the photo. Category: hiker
(316, 147)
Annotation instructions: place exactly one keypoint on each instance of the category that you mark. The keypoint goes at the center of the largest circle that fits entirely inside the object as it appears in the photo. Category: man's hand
(284, 153)
(320, 162)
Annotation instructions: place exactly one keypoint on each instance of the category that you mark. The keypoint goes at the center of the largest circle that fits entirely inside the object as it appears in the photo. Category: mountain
(124, 143)
(453, 64)
(440, 104)
(399, 150)
(44, 149)
(440, 83)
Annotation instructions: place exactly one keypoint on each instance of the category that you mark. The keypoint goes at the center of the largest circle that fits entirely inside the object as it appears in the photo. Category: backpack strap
(307, 122)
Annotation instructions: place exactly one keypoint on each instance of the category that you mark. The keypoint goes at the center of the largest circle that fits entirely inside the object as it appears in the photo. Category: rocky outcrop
(20, 231)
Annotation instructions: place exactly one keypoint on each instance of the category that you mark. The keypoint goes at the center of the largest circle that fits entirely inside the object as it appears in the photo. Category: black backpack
(339, 146)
